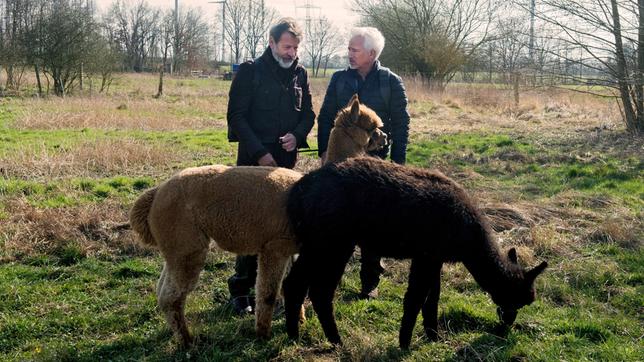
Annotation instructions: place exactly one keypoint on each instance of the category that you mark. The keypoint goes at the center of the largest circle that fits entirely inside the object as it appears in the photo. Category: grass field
(557, 176)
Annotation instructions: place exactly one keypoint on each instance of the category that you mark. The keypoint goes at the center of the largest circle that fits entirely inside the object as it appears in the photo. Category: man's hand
(289, 142)
(267, 160)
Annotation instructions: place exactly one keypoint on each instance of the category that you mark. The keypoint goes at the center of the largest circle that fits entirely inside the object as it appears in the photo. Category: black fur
(400, 212)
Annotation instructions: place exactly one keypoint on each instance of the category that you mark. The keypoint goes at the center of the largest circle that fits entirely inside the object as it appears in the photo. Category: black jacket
(395, 117)
(262, 110)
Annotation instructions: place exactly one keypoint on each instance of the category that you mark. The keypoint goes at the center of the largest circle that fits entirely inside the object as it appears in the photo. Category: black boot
(241, 283)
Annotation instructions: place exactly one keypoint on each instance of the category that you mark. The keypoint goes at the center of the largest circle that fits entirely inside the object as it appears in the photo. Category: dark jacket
(395, 117)
(262, 110)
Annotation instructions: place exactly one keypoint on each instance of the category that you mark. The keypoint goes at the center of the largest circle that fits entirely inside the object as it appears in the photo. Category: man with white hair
(381, 90)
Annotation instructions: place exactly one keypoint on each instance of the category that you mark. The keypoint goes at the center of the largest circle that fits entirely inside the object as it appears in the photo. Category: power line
(308, 7)
(223, 25)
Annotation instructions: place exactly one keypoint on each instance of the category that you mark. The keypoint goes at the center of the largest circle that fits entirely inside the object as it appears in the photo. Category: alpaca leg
(179, 278)
(161, 281)
(269, 277)
(414, 299)
(430, 308)
(322, 290)
(295, 287)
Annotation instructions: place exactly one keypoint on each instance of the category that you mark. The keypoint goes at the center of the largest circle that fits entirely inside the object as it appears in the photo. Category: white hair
(373, 39)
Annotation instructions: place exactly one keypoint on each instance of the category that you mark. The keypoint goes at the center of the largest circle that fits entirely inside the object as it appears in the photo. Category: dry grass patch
(103, 112)
(307, 164)
(473, 107)
(88, 230)
(559, 225)
(92, 158)
(625, 232)
(506, 217)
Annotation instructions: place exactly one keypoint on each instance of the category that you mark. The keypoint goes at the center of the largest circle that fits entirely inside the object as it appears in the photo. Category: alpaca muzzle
(507, 316)
(377, 140)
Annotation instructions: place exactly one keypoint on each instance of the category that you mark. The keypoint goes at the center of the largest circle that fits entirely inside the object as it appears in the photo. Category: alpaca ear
(534, 273)
(355, 108)
(512, 255)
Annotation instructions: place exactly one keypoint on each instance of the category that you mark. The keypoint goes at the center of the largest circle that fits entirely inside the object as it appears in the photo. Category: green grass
(63, 140)
(71, 300)
(91, 309)
(532, 168)
(74, 192)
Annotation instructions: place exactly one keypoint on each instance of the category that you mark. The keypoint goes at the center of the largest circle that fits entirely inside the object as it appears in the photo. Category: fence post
(516, 88)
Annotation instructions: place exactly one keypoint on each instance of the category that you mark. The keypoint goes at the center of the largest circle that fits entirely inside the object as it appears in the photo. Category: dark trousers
(240, 283)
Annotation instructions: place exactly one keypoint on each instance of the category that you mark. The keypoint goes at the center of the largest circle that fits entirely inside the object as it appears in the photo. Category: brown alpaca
(243, 209)
(398, 212)
(348, 139)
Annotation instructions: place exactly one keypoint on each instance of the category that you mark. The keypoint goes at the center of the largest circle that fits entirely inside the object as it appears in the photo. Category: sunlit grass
(76, 285)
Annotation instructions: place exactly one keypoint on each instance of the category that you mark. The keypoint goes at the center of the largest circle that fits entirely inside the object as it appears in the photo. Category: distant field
(557, 176)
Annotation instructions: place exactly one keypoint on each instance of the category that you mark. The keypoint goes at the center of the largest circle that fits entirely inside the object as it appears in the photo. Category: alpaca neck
(341, 147)
(489, 267)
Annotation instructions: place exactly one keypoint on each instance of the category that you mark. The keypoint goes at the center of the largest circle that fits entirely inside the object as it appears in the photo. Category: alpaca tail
(139, 216)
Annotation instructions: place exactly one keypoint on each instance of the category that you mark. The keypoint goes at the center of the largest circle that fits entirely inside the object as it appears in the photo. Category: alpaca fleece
(399, 212)
(242, 209)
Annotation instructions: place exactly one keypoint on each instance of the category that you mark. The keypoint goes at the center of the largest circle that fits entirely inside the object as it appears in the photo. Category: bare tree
(236, 20)
(64, 35)
(510, 46)
(603, 40)
(191, 41)
(13, 53)
(133, 26)
(431, 37)
(322, 41)
(255, 32)
(166, 31)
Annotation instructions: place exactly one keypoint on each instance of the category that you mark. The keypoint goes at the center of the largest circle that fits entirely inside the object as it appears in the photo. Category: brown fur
(243, 209)
(348, 137)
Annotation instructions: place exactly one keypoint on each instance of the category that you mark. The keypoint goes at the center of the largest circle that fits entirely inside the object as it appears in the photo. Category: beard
(283, 63)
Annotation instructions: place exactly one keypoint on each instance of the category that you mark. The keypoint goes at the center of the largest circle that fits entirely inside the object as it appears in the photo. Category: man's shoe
(368, 295)
(279, 308)
(243, 305)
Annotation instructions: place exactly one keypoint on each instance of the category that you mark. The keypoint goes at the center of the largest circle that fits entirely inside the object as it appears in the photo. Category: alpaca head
(520, 293)
(362, 125)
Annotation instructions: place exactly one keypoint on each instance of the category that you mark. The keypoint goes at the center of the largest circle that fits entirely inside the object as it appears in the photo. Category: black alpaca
(400, 212)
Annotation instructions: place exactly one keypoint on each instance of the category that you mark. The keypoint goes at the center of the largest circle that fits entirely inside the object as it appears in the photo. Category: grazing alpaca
(399, 212)
(243, 209)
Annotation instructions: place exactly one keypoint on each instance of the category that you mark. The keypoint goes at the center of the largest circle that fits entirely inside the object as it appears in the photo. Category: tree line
(66, 43)
(592, 43)
(594, 46)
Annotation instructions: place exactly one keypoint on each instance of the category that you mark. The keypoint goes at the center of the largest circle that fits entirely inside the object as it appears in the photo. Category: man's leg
(240, 284)
(370, 270)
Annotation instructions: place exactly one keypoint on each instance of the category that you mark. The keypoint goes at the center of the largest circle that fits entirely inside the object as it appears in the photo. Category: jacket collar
(374, 69)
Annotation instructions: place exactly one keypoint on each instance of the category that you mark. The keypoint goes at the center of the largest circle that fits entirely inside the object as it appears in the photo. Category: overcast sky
(336, 10)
